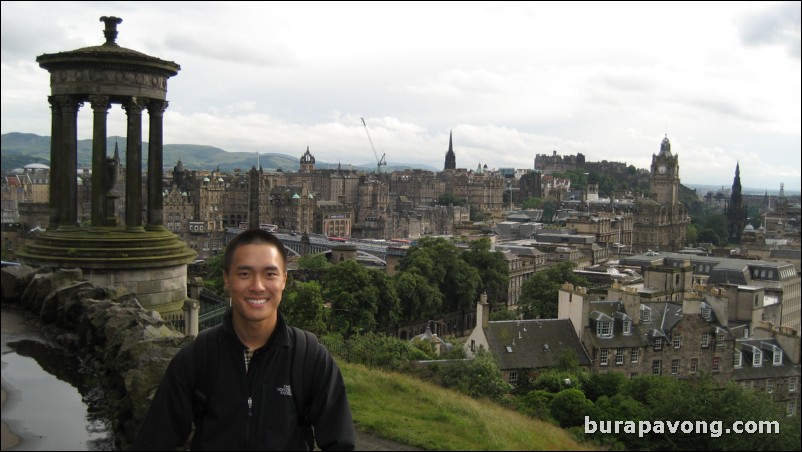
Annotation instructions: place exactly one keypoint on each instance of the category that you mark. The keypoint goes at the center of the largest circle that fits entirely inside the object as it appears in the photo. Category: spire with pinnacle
(451, 159)
(736, 211)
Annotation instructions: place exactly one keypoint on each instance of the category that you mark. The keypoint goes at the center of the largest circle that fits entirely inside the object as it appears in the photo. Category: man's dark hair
(253, 236)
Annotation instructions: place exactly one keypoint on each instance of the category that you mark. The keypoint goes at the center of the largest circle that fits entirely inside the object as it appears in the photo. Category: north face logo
(285, 390)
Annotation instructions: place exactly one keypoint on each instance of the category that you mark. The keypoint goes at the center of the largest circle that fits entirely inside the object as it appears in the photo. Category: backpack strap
(302, 368)
(206, 348)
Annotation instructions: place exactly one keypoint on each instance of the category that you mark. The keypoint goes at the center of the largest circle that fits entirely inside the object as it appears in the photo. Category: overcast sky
(511, 80)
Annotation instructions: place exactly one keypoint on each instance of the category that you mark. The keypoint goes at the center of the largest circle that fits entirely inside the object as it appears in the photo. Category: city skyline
(511, 81)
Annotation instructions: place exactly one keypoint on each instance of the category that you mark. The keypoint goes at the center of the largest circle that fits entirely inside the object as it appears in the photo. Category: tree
(570, 406)
(302, 306)
(418, 298)
(691, 234)
(492, 268)
(354, 299)
(478, 377)
(503, 314)
(214, 277)
(449, 198)
(438, 260)
(313, 262)
(539, 293)
(388, 310)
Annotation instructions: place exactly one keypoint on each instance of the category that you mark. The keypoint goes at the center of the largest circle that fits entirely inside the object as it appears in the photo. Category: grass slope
(409, 411)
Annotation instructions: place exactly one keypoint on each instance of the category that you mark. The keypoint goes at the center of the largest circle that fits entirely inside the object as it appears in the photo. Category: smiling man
(239, 383)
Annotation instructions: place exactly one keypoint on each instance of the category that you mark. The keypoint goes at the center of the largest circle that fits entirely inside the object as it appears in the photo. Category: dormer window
(627, 328)
(757, 358)
(604, 329)
(645, 314)
(736, 359)
(778, 357)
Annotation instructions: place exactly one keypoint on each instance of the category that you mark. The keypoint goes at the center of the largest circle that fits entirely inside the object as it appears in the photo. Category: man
(251, 405)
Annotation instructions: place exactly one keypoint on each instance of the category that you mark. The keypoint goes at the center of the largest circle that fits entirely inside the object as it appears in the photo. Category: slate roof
(613, 310)
(767, 369)
(532, 344)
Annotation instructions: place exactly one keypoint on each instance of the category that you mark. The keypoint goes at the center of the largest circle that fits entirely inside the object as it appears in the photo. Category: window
(778, 357)
(791, 408)
(694, 365)
(716, 364)
(706, 312)
(473, 345)
(603, 356)
(627, 329)
(736, 359)
(619, 356)
(645, 314)
(720, 339)
(677, 341)
(757, 359)
(705, 340)
(769, 385)
(792, 384)
(657, 367)
(604, 329)
(674, 366)
(633, 355)
(513, 378)
(658, 343)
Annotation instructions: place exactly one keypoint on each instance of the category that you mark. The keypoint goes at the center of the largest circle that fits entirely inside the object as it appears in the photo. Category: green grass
(410, 411)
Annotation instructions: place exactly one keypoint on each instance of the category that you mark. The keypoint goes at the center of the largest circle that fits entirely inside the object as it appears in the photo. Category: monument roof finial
(111, 29)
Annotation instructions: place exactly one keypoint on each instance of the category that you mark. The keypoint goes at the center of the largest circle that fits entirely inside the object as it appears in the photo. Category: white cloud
(511, 80)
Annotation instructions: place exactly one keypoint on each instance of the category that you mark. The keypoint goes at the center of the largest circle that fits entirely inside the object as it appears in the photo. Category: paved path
(366, 441)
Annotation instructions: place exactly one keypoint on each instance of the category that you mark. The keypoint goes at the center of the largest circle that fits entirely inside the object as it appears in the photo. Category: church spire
(736, 211)
(451, 159)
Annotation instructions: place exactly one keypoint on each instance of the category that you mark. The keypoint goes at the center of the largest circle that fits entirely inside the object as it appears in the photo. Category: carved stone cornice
(100, 104)
(134, 105)
(157, 107)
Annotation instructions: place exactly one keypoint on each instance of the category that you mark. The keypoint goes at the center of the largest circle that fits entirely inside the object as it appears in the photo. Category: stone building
(660, 220)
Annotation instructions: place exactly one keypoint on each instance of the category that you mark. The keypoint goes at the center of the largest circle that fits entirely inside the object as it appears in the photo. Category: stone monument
(142, 256)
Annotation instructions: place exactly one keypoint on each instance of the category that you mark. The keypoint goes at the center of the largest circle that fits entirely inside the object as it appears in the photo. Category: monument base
(152, 264)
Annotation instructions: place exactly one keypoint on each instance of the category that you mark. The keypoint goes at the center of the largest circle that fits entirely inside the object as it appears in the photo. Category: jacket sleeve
(169, 419)
(330, 412)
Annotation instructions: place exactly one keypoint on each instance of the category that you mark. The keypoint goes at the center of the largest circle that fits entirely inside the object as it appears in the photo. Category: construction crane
(379, 161)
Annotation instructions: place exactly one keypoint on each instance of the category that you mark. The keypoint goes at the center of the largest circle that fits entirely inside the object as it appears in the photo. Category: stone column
(56, 188)
(133, 166)
(191, 310)
(100, 107)
(68, 154)
(156, 109)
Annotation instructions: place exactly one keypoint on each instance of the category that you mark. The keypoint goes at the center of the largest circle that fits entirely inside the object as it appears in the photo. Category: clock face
(661, 169)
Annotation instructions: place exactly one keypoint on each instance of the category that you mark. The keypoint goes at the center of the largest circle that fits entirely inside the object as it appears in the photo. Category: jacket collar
(280, 336)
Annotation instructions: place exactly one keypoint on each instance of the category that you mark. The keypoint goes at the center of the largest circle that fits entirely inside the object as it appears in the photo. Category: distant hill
(20, 149)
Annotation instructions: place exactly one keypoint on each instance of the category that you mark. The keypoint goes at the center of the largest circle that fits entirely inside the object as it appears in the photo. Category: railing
(212, 308)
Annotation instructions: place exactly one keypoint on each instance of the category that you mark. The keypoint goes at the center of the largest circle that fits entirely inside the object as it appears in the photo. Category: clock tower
(664, 180)
(660, 219)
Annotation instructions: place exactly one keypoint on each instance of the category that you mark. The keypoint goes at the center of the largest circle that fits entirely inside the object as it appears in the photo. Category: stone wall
(122, 345)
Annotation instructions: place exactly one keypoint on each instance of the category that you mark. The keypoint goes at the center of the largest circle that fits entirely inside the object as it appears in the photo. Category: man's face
(255, 281)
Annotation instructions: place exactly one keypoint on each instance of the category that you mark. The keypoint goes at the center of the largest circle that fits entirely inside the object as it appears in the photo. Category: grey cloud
(776, 24)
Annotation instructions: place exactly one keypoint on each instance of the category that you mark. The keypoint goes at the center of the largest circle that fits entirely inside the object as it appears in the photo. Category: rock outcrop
(122, 346)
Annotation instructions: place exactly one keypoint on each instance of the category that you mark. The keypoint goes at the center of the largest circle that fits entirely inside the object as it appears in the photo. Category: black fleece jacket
(269, 421)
